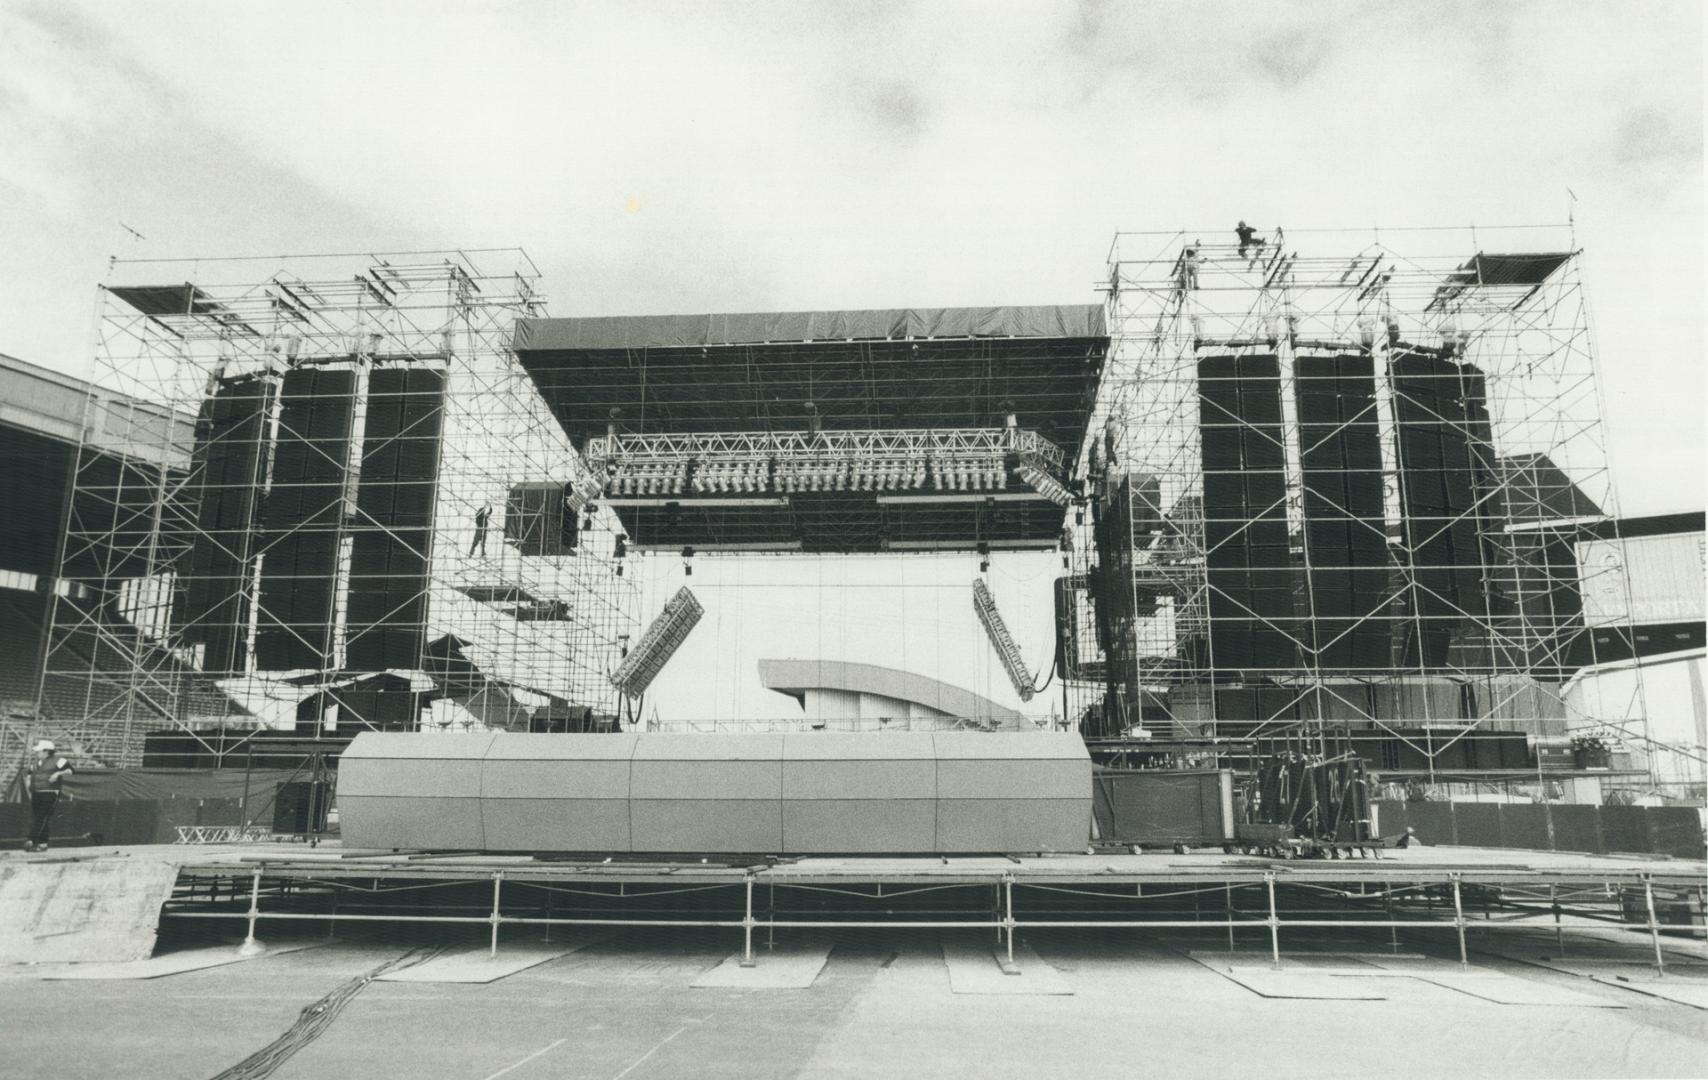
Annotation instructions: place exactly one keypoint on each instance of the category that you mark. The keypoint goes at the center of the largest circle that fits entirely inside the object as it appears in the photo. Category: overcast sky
(713, 157)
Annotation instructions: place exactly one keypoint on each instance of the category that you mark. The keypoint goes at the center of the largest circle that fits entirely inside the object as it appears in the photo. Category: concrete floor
(622, 1009)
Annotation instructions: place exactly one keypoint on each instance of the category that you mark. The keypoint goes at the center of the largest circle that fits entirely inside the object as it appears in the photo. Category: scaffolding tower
(1341, 483)
(320, 493)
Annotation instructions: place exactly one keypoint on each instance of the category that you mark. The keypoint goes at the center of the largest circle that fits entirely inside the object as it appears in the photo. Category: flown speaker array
(1249, 569)
(1345, 537)
(303, 519)
(229, 458)
(394, 519)
(1439, 485)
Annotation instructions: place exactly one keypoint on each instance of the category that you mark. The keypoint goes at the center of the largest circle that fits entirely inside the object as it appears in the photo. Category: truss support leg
(747, 924)
(497, 888)
(1393, 931)
(1459, 923)
(1559, 930)
(1230, 914)
(251, 946)
(1274, 924)
(1654, 927)
(1008, 921)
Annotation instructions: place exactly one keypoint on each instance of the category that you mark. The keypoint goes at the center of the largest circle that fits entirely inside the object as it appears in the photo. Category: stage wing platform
(834, 431)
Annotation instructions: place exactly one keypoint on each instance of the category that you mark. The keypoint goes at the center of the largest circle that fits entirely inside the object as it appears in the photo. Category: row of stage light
(936, 472)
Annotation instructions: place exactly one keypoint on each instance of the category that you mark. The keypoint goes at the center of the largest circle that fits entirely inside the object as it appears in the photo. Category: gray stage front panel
(721, 825)
(1047, 779)
(706, 779)
(423, 821)
(1009, 746)
(890, 826)
(869, 746)
(890, 792)
(555, 824)
(397, 763)
(1009, 825)
(604, 746)
(374, 761)
(405, 776)
(676, 747)
(411, 744)
(880, 779)
(1026, 745)
(561, 779)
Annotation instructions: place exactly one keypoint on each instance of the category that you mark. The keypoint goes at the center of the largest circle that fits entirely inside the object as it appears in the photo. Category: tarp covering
(146, 806)
(1160, 806)
(667, 331)
(122, 784)
(1661, 830)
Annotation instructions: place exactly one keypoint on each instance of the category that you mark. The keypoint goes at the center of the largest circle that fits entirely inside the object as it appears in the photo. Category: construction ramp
(81, 908)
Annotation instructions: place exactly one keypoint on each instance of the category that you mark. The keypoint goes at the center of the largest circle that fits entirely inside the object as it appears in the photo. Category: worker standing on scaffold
(1189, 266)
(1248, 240)
(481, 517)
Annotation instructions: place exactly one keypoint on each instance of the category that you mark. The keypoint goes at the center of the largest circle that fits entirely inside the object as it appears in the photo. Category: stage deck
(1412, 866)
(1408, 889)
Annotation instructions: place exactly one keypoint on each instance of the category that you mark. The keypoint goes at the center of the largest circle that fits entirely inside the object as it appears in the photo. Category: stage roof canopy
(891, 368)
(826, 431)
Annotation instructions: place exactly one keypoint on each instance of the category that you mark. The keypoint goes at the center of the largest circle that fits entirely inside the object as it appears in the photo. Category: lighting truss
(886, 460)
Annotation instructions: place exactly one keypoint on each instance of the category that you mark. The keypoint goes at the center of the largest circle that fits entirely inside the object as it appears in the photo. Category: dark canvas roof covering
(662, 375)
(886, 324)
(185, 299)
(1483, 271)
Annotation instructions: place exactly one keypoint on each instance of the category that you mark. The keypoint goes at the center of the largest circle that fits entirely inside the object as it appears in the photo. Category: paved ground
(623, 1009)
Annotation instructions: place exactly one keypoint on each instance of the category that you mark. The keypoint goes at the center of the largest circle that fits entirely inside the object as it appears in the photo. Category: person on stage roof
(1189, 266)
(1248, 240)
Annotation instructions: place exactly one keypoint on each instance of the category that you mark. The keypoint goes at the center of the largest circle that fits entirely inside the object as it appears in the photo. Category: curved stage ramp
(781, 794)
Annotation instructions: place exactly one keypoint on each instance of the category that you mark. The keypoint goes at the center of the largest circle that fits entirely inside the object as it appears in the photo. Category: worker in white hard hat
(43, 780)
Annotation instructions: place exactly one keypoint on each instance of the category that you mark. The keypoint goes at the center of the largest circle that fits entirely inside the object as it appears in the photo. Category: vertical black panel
(1341, 461)
(1543, 583)
(227, 464)
(1439, 498)
(302, 520)
(1122, 522)
(1245, 518)
(385, 621)
(539, 520)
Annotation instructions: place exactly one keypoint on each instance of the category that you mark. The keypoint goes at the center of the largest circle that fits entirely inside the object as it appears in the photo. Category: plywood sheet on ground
(1511, 990)
(793, 966)
(973, 969)
(478, 965)
(173, 963)
(82, 909)
(1685, 990)
(1305, 983)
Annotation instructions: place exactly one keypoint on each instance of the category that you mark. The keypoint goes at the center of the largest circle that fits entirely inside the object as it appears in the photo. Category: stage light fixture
(1366, 332)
